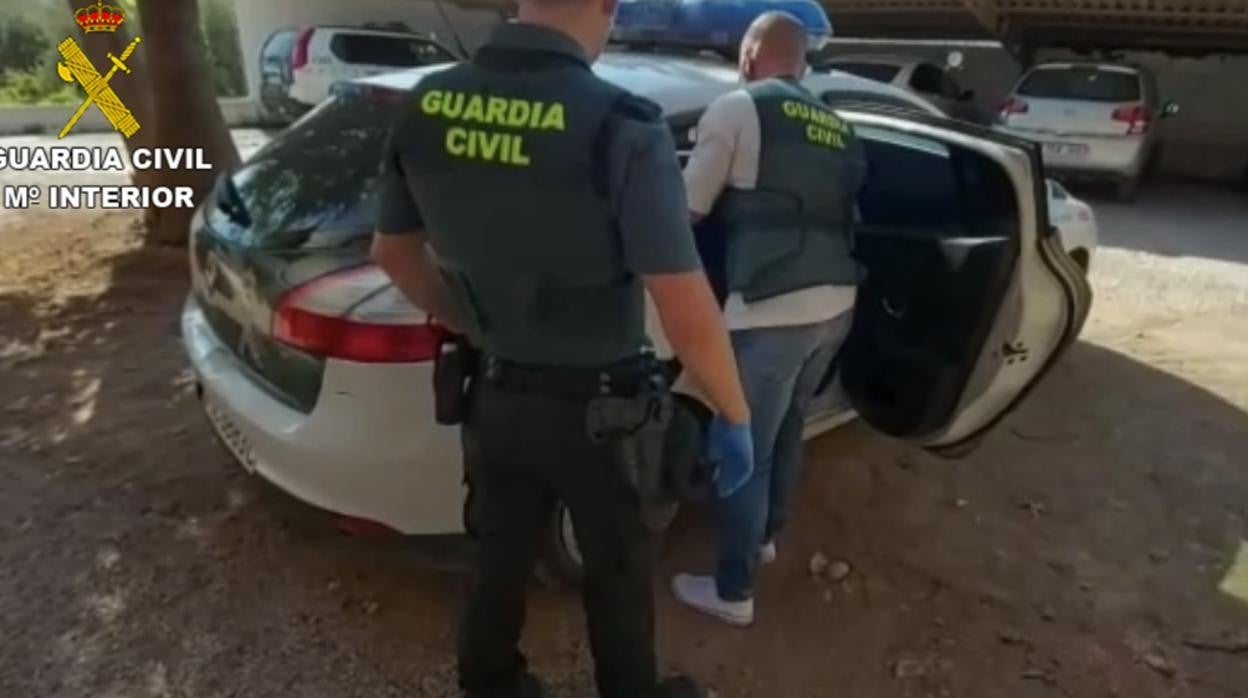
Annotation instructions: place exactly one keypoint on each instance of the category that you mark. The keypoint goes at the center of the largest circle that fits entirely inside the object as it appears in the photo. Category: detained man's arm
(406, 260)
(694, 327)
(400, 246)
(651, 210)
(710, 163)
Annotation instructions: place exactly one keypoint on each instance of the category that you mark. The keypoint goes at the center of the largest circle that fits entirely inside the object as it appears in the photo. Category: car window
(950, 87)
(315, 181)
(1081, 83)
(396, 51)
(928, 187)
(278, 48)
(1057, 191)
(928, 78)
(880, 72)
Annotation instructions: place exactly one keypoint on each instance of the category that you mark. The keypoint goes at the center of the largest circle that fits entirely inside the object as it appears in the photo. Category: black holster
(635, 429)
(454, 367)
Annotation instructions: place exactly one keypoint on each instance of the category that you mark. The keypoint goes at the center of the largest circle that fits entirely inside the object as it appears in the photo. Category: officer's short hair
(778, 30)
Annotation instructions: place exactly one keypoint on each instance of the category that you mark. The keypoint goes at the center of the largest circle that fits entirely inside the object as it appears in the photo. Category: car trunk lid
(279, 251)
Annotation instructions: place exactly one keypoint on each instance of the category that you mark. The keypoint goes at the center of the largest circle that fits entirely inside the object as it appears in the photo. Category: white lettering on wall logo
(98, 160)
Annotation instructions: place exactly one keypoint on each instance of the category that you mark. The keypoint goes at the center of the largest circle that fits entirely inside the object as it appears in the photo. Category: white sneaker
(699, 592)
(767, 553)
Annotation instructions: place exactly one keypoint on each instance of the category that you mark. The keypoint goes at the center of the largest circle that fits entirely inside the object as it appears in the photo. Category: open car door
(968, 297)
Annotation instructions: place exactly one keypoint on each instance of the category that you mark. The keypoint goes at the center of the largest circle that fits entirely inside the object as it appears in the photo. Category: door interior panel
(938, 241)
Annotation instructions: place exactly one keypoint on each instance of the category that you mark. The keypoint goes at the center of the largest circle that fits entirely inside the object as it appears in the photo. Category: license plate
(1077, 150)
(230, 435)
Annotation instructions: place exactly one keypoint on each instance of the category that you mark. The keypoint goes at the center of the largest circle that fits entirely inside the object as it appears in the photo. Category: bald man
(776, 172)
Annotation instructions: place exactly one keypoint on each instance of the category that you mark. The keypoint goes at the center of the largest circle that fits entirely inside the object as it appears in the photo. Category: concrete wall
(1208, 140)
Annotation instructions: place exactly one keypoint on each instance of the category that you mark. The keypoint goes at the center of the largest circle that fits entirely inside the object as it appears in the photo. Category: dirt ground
(1088, 549)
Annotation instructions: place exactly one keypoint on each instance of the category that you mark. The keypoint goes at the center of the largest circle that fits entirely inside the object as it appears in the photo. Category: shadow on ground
(1077, 553)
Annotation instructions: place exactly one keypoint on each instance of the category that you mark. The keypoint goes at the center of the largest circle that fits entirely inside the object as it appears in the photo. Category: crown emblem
(100, 18)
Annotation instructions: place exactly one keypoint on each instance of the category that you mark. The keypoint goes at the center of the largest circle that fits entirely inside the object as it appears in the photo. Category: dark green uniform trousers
(525, 449)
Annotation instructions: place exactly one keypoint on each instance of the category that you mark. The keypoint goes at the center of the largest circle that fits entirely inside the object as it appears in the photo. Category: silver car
(934, 83)
(1092, 119)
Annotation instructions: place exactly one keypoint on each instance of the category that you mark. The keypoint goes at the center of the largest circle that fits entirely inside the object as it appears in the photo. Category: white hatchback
(1092, 119)
(316, 373)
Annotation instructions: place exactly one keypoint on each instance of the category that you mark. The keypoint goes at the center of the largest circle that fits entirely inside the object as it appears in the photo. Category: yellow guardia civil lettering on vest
(466, 110)
(822, 126)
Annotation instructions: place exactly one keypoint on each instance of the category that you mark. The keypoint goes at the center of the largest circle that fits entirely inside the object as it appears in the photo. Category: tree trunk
(185, 108)
(133, 89)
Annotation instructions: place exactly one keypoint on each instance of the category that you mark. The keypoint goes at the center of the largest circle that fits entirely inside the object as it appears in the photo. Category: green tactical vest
(504, 165)
(794, 229)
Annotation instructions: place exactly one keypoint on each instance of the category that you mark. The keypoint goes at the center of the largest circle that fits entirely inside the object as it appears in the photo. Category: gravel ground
(1087, 549)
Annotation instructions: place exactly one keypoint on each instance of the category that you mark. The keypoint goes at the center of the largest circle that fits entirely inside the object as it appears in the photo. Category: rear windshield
(279, 46)
(1087, 84)
(396, 51)
(880, 72)
(312, 186)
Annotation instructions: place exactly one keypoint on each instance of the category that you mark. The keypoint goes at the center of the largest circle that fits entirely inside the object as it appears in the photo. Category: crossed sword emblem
(77, 67)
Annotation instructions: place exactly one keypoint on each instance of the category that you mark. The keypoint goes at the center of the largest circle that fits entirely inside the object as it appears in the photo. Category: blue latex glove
(731, 448)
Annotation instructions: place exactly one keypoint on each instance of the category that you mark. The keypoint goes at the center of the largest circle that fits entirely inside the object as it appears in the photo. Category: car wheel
(563, 554)
(1127, 189)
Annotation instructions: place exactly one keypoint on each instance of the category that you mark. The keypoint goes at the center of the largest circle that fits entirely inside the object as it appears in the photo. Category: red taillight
(382, 95)
(316, 318)
(299, 56)
(1136, 116)
(1014, 105)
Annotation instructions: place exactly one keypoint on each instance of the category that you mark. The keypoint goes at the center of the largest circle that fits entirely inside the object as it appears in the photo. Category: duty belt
(628, 378)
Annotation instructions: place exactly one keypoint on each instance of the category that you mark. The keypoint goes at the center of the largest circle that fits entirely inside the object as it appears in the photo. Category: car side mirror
(1171, 109)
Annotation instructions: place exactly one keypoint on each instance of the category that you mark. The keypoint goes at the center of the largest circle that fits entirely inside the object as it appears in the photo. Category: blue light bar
(710, 24)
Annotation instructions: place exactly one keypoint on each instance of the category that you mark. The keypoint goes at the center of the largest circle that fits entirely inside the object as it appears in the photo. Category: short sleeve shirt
(643, 177)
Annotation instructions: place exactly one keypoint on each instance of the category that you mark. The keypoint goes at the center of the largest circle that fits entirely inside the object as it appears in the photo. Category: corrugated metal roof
(1198, 25)
(1174, 25)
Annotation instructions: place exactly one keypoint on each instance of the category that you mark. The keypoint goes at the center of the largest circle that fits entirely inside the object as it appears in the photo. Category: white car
(934, 83)
(1076, 223)
(316, 373)
(1095, 120)
(298, 67)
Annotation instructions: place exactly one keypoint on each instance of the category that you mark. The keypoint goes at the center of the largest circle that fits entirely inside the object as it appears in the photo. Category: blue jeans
(781, 368)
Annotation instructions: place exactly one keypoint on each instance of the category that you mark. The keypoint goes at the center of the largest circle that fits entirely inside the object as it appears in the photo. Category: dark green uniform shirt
(643, 178)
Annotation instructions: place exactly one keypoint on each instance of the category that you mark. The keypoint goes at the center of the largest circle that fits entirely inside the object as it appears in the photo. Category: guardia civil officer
(527, 204)
(778, 173)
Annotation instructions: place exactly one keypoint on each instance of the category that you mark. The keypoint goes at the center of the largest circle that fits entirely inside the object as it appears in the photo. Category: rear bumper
(309, 89)
(370, 448)
(1121, 157)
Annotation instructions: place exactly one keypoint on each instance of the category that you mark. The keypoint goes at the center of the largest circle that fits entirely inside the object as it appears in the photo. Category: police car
(315, 372)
